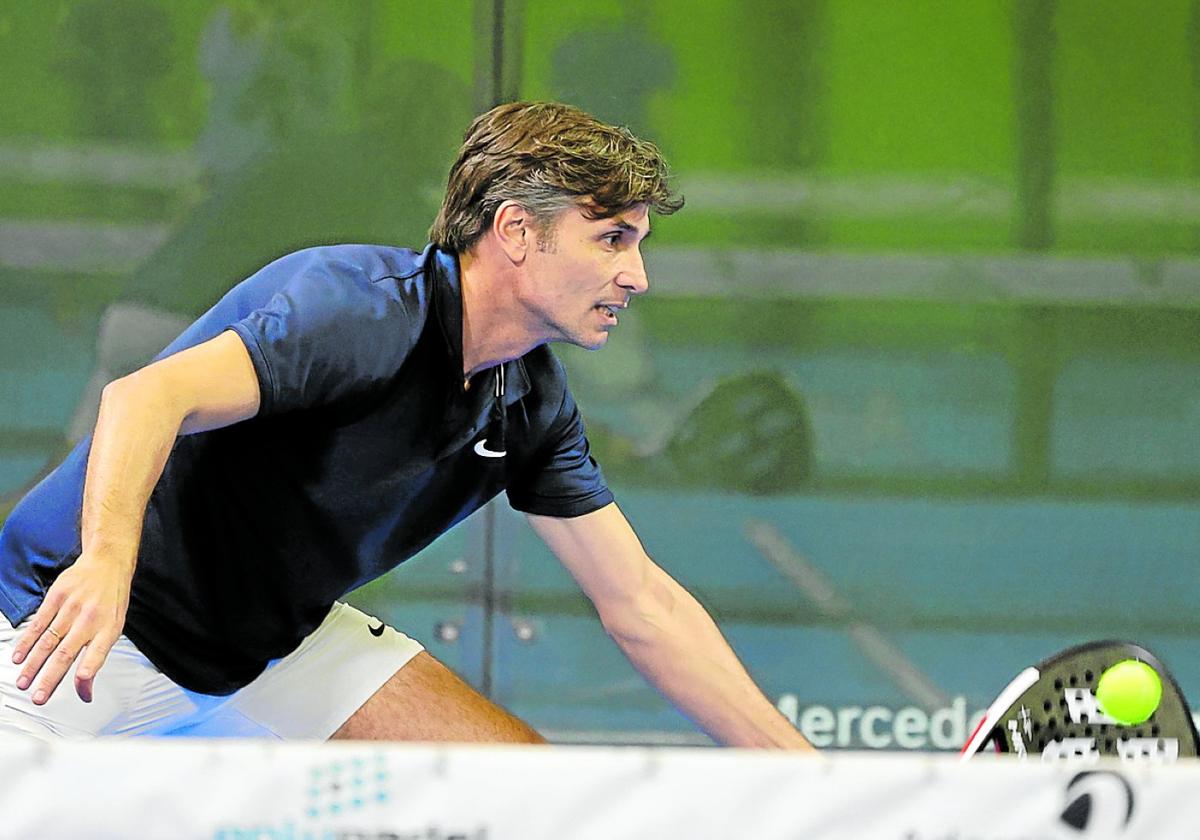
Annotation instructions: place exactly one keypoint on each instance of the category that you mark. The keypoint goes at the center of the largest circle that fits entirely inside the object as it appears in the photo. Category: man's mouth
(609, 310)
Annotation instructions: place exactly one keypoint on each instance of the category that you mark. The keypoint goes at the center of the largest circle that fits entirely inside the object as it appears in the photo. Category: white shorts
(309, 693)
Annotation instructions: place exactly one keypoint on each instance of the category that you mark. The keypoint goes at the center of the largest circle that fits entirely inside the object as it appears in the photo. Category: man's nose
(633, 274)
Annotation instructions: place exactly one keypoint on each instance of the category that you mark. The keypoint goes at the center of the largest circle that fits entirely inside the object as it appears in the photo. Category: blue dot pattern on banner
(338, 787)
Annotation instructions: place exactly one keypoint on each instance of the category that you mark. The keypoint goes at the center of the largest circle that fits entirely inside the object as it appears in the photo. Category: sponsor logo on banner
(881, 727)
(340, 799)
(1099, 803)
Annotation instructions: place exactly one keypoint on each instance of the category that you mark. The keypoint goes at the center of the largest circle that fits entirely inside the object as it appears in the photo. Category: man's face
(583, 272)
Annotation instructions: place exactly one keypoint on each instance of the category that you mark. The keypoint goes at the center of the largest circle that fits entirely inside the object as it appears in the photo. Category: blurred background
(914, 400)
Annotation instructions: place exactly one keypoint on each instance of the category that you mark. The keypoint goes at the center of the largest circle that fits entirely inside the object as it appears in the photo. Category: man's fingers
(57, 664)
(91, 660)
(78, 622)
(83, 687)
(43, 648)
(41, 619)
(56, 625)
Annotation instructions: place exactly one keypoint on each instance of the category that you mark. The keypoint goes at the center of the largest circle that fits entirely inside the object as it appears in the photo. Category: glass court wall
(914, 399)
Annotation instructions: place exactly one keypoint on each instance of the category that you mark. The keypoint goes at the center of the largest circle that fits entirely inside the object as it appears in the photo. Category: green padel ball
(1129, 692)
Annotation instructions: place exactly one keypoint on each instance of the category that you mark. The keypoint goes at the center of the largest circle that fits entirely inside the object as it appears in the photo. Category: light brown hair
(547, 157)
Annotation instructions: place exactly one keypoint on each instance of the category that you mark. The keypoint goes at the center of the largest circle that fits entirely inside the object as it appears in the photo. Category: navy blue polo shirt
(364, 450)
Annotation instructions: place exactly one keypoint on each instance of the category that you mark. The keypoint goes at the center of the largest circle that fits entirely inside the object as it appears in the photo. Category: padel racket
(751, 433)
(1052, 710)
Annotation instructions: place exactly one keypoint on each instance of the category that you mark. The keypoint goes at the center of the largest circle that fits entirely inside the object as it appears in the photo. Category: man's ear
(513, 228)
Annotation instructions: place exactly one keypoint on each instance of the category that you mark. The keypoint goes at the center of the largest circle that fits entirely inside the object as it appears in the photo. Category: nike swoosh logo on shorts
(481, 449)
(377, 631)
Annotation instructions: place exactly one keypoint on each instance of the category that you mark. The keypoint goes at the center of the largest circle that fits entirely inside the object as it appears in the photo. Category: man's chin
(592, 341)
(596, 342)
(586, 338)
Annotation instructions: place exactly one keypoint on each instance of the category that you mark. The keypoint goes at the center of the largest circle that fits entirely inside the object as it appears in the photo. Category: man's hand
(664, 631)
(204, 387)
(81, 618)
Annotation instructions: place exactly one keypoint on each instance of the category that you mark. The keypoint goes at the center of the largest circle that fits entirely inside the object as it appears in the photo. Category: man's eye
(613, 238)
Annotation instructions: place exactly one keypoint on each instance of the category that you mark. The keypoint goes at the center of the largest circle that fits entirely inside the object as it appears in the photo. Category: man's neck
(494, 323)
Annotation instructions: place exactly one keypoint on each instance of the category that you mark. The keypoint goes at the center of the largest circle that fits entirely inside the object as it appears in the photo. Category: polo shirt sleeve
(565, 479)
(329, 333)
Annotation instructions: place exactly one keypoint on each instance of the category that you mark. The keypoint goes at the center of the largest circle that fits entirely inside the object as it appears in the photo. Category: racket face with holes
(1050, 710)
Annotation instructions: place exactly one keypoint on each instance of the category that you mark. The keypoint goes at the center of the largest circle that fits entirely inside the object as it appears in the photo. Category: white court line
(626, 738)
(875, 646)
(115, 165)
(773, 273)
(85, 247)
(952, 195)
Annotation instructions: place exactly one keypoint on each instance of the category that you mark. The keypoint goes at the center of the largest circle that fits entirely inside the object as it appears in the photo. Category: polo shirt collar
(447, 303)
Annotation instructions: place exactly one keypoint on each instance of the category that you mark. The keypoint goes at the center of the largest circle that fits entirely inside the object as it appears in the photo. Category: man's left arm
(668, 636)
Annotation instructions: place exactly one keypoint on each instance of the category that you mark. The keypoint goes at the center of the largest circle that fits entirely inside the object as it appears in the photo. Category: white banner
(241, 790)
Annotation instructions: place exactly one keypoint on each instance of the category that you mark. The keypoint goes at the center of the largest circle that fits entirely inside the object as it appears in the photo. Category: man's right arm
(203, 387)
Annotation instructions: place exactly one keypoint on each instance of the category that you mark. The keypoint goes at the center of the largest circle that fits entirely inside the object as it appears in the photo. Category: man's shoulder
(372, 263)
(383, 273)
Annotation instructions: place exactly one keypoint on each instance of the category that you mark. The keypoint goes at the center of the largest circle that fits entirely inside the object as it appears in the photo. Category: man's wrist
(114, 554)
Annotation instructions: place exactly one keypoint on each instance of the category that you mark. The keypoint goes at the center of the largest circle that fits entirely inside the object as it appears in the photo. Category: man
(326, 420)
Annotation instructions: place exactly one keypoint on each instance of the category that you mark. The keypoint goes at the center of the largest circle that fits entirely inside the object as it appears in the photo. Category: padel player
(327, 419)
